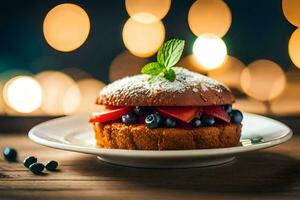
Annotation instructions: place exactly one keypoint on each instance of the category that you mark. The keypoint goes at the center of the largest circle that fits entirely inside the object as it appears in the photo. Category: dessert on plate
(166, 108)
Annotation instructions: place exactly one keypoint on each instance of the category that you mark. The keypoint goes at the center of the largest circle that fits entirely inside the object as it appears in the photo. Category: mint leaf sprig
(167, 56)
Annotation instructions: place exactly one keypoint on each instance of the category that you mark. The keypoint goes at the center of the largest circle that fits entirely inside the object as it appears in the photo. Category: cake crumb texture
(139, 137)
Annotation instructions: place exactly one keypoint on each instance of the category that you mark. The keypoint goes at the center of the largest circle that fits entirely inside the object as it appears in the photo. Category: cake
(192, 111)
(190, 96)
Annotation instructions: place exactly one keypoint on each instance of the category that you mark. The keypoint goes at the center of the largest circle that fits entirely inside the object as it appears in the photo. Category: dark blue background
(258, 30)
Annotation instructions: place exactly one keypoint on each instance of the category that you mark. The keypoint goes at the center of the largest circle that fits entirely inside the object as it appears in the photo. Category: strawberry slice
(185, 114)
(108, 114)
(216, 111)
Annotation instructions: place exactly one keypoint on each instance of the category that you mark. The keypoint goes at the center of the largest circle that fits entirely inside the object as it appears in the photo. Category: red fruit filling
(186, 113)
(108, 114)
(217, 112)
(183, 113)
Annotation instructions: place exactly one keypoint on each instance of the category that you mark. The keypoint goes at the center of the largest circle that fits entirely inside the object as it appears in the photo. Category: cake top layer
(188, 89)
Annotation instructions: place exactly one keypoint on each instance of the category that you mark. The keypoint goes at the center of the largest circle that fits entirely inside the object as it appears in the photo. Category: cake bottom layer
(139, 137)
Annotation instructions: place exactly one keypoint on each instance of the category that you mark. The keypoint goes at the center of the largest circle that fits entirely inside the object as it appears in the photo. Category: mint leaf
(170, 75)
(167, 56)
(170, 53)
(153, 68)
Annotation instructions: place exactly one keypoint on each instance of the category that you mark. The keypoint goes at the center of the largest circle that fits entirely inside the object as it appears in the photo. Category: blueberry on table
(170, 123)
(153, 120)
(51, 165)
(196, 122)
(129, 119)
(207, 120)
(236, 116)
(29, 160)
(10, 154)
(228, 108)
(36, 168)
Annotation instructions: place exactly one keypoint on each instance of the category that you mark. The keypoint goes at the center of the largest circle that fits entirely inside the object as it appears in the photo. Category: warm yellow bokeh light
(125, 64)
(23, 94)
(143, 40)
(2, 110)
(191, 64)
(250, 105)
(209, 16)
(89, 89)
(146, 11)
(66, 27)
(71, 100)
(55, 86)
(210, 51)
(263, 80)
(291, 11)
(294, 47)
(288, 102)
(229, 73)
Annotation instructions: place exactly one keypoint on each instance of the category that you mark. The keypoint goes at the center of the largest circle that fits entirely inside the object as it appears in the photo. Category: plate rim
(155, 153)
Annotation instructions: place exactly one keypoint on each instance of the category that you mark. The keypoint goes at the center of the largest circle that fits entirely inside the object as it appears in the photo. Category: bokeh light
(210, 51)
(125, 64)
(209, 16)
(4, 78)
(23, 94)
(250, 105)
(71, 100)
(191, 64)
(143, 40)
(288, 102)
(294, 47)
(146, 11)
(89, 89)
(66, 27)
(291, 11)
(55, 86)
(263, 80)
(229, 73)
(2, 104)
(9, 74)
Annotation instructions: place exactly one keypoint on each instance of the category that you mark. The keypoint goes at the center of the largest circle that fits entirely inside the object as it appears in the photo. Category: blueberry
(207, 120)
(140, 111)
(29, 160)
(36, 168)
(228, 108)
(10, 154)
(170, 123)
(153, 120)
(51, 165)
(159, 119)
(129, 119)
(236, 116)
(196, 122)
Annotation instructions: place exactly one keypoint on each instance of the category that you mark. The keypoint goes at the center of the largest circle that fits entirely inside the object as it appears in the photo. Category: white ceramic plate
(74, 133)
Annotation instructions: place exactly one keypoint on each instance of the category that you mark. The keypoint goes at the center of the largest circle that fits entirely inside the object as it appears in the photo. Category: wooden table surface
(273, 173)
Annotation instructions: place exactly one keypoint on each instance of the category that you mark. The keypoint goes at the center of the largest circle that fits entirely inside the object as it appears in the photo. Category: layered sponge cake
(191, 112)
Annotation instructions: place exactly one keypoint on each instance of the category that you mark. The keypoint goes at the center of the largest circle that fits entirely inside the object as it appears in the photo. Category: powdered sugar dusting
(185, 80)
(195, 90)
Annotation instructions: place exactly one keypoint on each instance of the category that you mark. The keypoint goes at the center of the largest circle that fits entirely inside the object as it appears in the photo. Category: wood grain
(269, 174)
